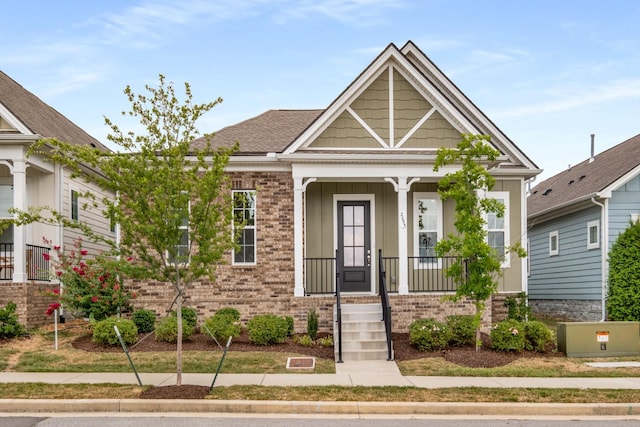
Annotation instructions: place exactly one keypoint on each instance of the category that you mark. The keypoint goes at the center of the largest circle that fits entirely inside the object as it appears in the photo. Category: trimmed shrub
(538, 337)
(222, 326)
(105, 334)
(290, 325)
(429, 335)
(167, 330)
(267, 329)
(9, 326)
(463, 330)
(189, 315)
(623, 301)
(508, 335)
(312, 324)
(230, 311)
(145, 320)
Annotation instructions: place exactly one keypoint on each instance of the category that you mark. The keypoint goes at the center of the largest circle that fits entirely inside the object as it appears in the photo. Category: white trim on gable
(391, 59)
(13, 121)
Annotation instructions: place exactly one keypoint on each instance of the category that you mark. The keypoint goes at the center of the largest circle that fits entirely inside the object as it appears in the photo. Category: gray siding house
(574, 218)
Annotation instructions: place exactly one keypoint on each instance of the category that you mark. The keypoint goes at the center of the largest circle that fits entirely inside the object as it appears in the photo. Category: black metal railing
(386, 306)
(338, 312)
(6, 261)
(319, 276)
(36, 263)
(428, 274)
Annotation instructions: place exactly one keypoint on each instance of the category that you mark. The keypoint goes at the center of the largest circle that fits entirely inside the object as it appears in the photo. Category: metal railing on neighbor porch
(36, 264)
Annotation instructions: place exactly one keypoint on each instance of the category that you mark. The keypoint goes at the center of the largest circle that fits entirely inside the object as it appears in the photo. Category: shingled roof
(39, 117)
(269, 132)
(586, 179)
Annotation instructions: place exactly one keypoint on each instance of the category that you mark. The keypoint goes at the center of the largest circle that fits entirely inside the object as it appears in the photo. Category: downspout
(604, 233)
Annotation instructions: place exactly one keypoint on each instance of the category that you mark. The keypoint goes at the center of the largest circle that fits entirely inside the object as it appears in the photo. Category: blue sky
(549, 73)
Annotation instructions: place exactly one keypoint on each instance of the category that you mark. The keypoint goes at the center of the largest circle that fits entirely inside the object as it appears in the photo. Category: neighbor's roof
(585, 179)
(39, 117)
(270, 132)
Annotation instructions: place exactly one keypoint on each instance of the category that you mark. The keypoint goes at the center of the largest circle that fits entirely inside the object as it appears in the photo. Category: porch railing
(36, 264)
(386, 305)
(319, 276)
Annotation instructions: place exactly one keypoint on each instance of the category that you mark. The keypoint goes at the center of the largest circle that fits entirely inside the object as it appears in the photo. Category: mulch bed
(464, 356)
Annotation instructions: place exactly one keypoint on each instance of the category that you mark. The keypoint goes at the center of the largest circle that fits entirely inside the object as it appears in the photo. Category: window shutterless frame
(244, 215)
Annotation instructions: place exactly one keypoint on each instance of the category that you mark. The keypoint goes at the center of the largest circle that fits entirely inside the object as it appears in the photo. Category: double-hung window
(427, 214)
(244, 226)
(593, 234)
(498, 227)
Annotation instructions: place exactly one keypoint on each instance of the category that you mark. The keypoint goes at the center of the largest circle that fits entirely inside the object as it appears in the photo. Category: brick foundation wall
(31, 301)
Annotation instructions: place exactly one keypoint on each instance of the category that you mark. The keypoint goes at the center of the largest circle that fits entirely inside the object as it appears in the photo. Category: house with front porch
(28, 181)
(347, 196)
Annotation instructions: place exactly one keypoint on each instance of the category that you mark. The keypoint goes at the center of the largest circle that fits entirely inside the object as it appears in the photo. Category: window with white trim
(498, 227)
(593, 234)
(244, 217)
(554, 243)
(427, 208)
(74, 205)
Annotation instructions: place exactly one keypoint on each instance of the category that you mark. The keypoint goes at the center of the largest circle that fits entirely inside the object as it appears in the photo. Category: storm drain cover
(301, 362)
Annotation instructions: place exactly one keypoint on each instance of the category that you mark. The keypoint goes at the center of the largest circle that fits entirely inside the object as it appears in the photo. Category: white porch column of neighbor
(402, 188)
(19, 172)
(299, 187)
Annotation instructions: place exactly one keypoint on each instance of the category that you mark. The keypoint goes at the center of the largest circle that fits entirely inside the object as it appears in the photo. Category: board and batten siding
(624, 202)
(576, 272)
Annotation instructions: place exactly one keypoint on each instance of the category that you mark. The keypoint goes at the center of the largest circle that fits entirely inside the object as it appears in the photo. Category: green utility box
(599, 339)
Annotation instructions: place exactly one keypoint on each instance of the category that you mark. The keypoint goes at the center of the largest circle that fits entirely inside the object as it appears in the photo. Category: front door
(354, 245)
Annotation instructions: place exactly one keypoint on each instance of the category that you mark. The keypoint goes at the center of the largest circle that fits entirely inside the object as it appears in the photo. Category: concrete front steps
(363, 333)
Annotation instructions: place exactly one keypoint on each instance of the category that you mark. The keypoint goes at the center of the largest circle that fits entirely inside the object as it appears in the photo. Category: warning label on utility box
(602, 336)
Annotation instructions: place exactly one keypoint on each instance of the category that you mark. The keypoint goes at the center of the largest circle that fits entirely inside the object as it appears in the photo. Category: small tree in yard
(174, 205)
(477, 264)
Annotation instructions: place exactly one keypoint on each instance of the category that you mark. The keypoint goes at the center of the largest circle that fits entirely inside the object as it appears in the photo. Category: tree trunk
(179, 340)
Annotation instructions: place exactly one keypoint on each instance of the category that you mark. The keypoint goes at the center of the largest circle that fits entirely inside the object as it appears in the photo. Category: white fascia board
(351, 171)
(410, 48)
(19, 138)
(618, 183)
(13, 121)
(256, 163)
(373, 71)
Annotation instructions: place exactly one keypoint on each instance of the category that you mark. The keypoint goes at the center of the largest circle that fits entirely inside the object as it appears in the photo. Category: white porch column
(299, 187)
(298, 239)
(19, 171)
(403, 261)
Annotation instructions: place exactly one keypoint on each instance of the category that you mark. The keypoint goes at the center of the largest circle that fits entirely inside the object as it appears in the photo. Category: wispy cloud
(353, 12)
(565, 100)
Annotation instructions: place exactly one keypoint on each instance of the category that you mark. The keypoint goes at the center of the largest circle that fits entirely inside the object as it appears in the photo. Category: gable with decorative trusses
(390, 114)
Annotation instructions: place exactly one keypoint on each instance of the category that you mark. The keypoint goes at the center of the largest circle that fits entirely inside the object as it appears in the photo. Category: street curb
(315, 408)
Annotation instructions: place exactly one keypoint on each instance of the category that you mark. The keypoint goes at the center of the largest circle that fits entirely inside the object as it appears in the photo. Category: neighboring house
(574, 218)
(30, 182)
(357, 178)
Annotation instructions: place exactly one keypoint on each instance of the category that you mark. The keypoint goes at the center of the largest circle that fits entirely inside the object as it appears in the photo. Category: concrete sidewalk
(362, 373)
(365, 374)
